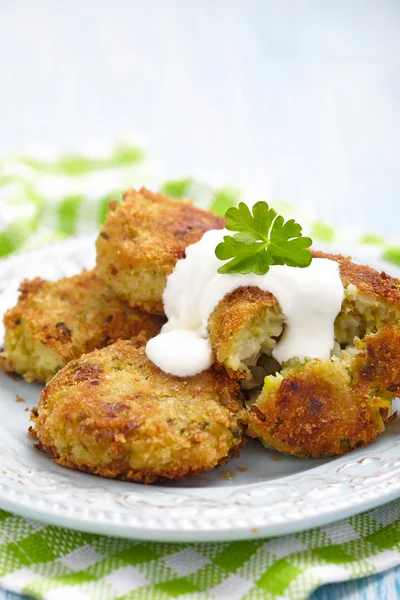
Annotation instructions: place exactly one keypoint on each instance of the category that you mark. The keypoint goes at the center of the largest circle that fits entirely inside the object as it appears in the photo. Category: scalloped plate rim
(205, 526)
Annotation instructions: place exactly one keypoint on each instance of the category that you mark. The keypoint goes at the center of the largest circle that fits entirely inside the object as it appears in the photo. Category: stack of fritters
(111, 411)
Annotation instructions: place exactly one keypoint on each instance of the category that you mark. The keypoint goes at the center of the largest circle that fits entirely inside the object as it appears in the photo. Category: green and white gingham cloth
(59, 564)
(42, 200)
(47, 199)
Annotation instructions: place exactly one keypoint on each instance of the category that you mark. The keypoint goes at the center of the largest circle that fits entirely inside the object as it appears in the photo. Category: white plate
(275, 495)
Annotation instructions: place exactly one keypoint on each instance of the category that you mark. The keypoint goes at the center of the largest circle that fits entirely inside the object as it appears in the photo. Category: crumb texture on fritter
(328, 407)
(368, 281)
(114, 413)
(55, 322)
(142, 240)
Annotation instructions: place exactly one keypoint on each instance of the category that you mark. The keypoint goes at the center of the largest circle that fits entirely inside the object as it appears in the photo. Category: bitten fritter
(245, 325)
(141, 242)
(114, 413)
(328, 407)
(55, 322)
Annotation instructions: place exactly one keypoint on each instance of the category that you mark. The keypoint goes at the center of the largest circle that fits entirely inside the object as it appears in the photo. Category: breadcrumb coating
(55, 322)
(328, 407)
(114, 413)
(141, 242)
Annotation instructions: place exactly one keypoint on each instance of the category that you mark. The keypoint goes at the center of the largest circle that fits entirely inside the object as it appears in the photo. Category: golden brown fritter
(55, 322)
(368, 281)
(246, 323)
(114, 413)
(327, 407)
(141, 241)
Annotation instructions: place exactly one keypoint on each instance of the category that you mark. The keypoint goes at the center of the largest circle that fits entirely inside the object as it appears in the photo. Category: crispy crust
(230, 316)
(326, 408)
(141, 241)
(236, 311)
(114, 413)
(368, 281)
(55, 322)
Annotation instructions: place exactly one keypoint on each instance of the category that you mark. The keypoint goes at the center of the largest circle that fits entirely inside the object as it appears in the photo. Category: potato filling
(360, 315)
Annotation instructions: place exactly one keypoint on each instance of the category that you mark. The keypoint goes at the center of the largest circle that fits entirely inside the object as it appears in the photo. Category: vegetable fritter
(328, 407)
(114, 413)
(245, 325)
(141, 242)
(55, 322)
(323, 407)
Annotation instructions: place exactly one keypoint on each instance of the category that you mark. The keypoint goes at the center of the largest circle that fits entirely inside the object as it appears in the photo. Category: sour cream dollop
(310, 299)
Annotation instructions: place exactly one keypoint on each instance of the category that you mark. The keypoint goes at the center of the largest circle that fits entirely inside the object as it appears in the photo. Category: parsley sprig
(262, 239)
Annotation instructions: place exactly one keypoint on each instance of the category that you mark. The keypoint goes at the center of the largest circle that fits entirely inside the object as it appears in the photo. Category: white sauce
(310, 299)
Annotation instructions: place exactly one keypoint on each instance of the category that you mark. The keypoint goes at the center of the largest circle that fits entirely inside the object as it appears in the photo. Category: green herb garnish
(263, 239)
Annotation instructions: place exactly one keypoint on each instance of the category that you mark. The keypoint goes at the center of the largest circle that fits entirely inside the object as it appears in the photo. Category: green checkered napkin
(44, 200)
(59, 564)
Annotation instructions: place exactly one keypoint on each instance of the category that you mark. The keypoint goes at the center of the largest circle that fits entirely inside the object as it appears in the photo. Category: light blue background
(296, 100)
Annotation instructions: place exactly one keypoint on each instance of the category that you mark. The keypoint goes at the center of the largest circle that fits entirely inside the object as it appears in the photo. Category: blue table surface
(385, 586)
